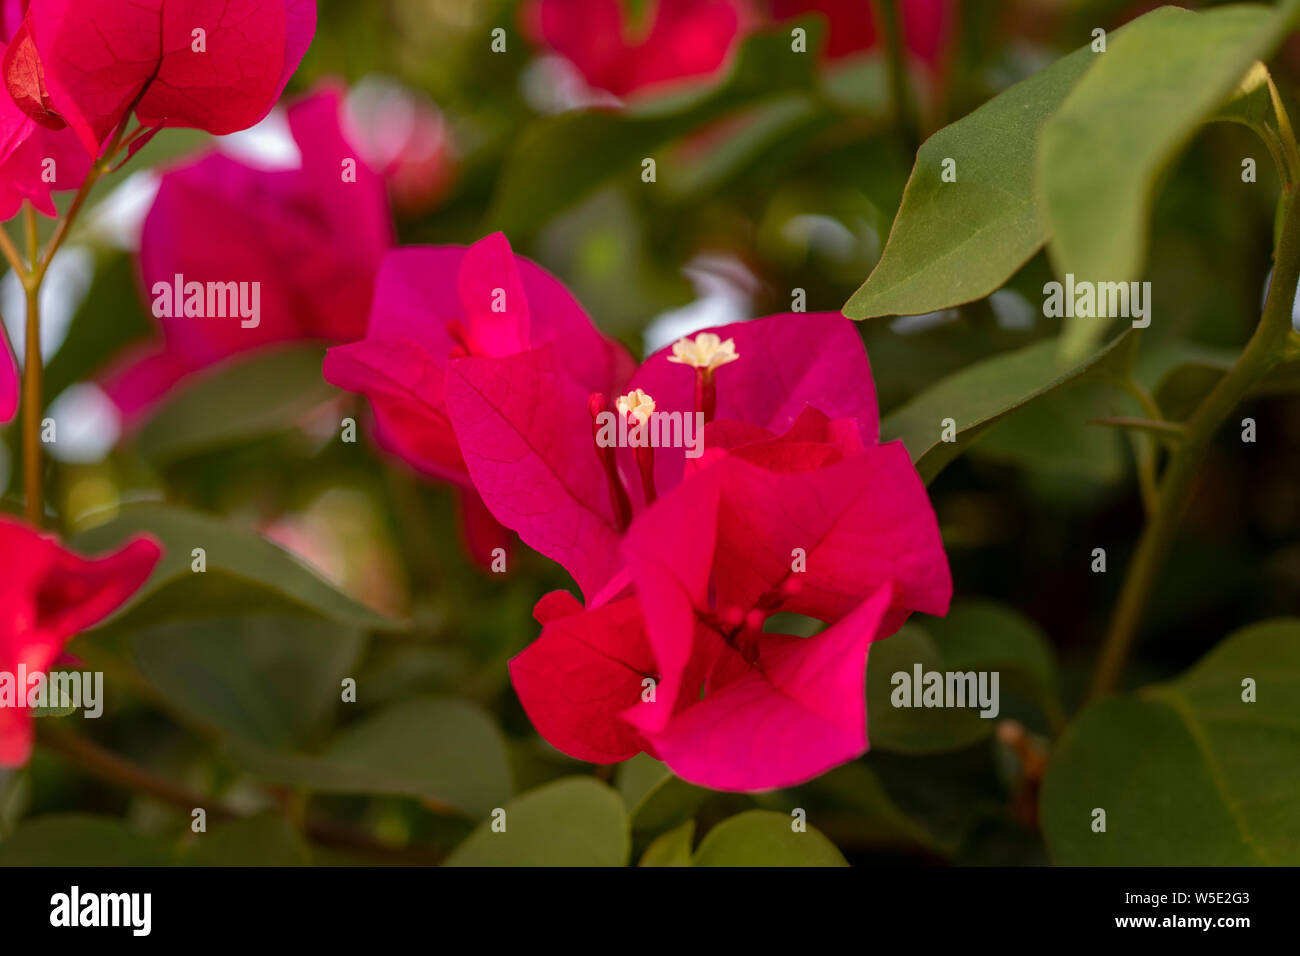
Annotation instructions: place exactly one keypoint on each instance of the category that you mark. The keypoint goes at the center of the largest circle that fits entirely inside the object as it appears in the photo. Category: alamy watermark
(133, 911)
(56, 690)
(1098, 300)
(179, 299)
(636, 424)
(922, 688)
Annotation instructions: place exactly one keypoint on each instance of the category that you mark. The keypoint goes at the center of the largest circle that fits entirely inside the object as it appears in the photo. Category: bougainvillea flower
(47, 596)
(683, 40)
(433, 305)
(928, 27)
(851, 541)
(215, 65)
(308, 241)
(34, 161)
(10, 387)
(525, 426)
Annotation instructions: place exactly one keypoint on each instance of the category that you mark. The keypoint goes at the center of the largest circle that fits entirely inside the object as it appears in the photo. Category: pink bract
(312, 238)
(684, 40)
(35, 161)
(47, 596)
(215, 65)
(435, 305)
(928, 26)
(10, 386)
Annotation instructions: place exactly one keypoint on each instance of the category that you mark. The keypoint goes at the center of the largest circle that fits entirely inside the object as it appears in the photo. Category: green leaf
(671, 849)
(244, 571)
(1054, 441)
(559, 160)
(263, 840)
(956, 242)
(59, 708)
(240, 400)
(855, 801)
(977, 636)
(76, 839)
(983, 393)
(986, 635)
(765, 838)
(576, 821)
(270, 680)
(1122, 126)
(914, 730)
(446, 752)
(656, 798)
(1188, 773)
(637, 777)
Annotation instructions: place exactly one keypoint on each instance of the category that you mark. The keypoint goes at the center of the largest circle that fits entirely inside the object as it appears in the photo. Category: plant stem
(119, 772)
(1265, 350)
(33, 370)
(891, 18)
(33, 387)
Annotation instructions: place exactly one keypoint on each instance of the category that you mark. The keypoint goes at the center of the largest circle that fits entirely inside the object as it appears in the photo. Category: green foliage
(558, 160)
(764, 838)
(1123, 124)
(1188, 772)
(445, 752)
(983, 393)
(241, 400)
(671, 849)
(973, 638)
(572, 822)
(234, 674)
(76, 839)
(244, 571)
(954, 242)
(267, 839)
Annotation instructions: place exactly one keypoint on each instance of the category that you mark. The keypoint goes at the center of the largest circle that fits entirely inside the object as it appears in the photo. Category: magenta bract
(215, 65)
(47, 596)
(310, 240)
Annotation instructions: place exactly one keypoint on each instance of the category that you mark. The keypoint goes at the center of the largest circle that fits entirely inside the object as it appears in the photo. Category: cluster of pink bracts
(483, 371)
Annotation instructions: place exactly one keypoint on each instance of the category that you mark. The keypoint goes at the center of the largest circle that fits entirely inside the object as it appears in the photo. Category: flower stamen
(706, 353)
(638, 406)
(618, 498)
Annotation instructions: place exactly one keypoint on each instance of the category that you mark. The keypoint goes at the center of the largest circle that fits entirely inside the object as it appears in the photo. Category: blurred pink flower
(10, 386)
(928, 26)
(404, 138)
(220, 66)
(684, 40)
(47, 596)
(308, 240)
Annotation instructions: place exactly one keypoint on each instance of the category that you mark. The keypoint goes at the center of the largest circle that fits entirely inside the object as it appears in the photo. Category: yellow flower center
(706, 351)
(637, 404)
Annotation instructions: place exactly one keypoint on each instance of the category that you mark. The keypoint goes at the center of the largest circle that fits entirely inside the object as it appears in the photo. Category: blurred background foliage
(764, 188)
